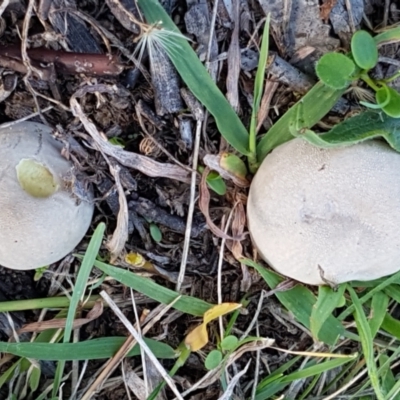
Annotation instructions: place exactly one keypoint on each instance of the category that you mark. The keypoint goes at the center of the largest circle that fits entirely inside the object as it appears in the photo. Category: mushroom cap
(36, 230)
(328, 215)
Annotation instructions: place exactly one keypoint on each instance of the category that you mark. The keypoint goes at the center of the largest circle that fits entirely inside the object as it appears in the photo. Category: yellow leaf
(135, 259)
(219, 310)
(198, 337)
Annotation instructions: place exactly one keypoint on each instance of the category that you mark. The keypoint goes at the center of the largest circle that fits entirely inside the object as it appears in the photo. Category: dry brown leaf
(59, 323)
(204, 202)
(129, 159)
(120, 235)
(326, 9)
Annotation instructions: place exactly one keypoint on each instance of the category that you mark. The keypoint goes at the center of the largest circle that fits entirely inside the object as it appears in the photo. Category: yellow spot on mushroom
(35, 178)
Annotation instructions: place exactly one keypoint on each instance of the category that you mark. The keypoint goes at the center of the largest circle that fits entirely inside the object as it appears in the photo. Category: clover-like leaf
(229, 343)
(364, 50)
(213, 359)
(392, 107)
(335, 70)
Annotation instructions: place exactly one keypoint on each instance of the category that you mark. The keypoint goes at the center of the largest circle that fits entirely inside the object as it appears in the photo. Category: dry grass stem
(234, 381)
(189, 220)
(143, 344)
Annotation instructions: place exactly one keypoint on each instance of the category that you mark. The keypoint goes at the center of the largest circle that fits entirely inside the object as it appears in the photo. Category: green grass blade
(38, 304)
(317, 103)
(197, 78)
(389, 36)
(78, 293)
(391, 325)
(381, 286)
(300, 302)
(327, 301)
(366, 342)
(379, 304)
(94, 349)
(186, 304)
(258, 92)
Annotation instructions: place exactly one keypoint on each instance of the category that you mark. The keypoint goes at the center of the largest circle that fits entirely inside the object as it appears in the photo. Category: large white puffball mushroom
(40, 220)
(328, 215)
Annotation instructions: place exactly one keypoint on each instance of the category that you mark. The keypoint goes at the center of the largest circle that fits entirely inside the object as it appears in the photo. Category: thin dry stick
(112, 363)
(3, 6)
(254, 320)
(219, 269)
(142, 343)
(142, 354)
(257, 368)
(127, 389)
(189, 221)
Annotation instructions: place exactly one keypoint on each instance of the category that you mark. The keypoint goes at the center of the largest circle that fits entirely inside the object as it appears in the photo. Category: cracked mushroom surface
(327, 216)
(40, 220)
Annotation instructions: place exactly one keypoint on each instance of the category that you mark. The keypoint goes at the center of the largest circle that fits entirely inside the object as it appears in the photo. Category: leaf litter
(94, 98)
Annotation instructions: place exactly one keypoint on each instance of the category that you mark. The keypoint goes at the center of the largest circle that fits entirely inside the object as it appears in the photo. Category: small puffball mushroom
(327, 216)
(40, 220)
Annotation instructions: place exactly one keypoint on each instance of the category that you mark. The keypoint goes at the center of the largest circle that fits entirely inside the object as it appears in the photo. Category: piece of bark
(150, 211)
(78, 36)
(345, 21)
(165, 83)
(296, 24)
(283, 72)
(127, 14)
(232, 80)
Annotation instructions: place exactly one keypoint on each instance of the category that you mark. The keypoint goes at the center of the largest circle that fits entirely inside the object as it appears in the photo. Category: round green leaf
(155, 233)
(335, 70)
(229, 343)
(364, 50)
(213, 359)
(392, 107)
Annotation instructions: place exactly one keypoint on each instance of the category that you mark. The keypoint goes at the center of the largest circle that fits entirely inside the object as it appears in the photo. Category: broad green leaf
(299, 301)
(155, 233)
(87, 350)
(216, 183)
(392, 107)
(379, 304)
(316, 103)
(327, 301)
(366, 342)
(213, 359)
(335, 70)
(367, 125)
(186, 304)
(196, 77)
(364, 50)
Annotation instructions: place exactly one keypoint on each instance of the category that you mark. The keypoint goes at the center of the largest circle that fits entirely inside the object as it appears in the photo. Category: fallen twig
(65, 62)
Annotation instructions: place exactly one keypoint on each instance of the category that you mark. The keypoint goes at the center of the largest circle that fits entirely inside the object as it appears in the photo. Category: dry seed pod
(328, 215)
(40, 220)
